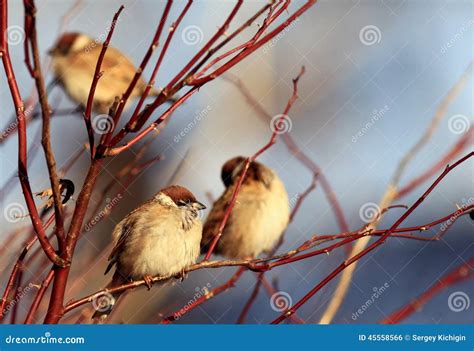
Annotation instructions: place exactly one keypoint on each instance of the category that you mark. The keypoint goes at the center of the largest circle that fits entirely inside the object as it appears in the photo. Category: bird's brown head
(69, 42)
(227, 172)
(182, 197)
(233, 168)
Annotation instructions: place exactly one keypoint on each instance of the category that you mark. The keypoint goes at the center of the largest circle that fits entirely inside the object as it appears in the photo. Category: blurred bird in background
(160, 238)
(74, 59)
(260, 214)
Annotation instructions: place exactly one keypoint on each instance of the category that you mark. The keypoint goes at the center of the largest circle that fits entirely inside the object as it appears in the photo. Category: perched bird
(74, 58)
(260, 214)
(161, 237)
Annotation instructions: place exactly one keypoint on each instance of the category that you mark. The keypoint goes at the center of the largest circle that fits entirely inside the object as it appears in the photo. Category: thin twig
(459, 274)
(391, 194)
(371, 247)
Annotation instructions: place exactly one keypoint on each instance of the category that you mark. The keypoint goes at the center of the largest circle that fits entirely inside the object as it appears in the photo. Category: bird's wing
(118, 69)
(126, 225)
(125, 228)
(122, 232)
(118, 72)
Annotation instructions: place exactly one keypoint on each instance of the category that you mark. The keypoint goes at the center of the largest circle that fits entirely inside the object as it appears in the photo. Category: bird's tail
(104, 303)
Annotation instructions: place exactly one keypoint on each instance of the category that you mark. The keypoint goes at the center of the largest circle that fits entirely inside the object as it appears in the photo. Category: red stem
(247, 165)
(22, 142)
(371, 247)
(461, 273)
(95, 81)
(153, 45)
(39, 296)
(206, 297)
(17, 268)
(464, 141)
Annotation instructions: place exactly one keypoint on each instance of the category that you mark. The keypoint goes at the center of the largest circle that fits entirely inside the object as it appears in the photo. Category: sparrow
(260, 214)
(74, 58)
(160, 238)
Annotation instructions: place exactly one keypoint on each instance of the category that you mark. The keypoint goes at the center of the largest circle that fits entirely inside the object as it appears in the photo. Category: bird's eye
(182, 203)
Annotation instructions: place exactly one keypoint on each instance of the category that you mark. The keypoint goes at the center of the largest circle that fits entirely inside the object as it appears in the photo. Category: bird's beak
(199, 205)
(52, 51)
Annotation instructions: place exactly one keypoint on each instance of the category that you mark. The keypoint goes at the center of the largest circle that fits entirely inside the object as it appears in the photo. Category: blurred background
(376, 70)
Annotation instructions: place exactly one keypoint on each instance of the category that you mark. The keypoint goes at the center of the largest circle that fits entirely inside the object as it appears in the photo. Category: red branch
(299, 154)
(249, 160)
(224, 287)
(95, 80)
(39, 296)
(154, 44)
(461, 144)
(22, 142)
(259, 265)
(371, 247)
(17, 268)
(461, 273)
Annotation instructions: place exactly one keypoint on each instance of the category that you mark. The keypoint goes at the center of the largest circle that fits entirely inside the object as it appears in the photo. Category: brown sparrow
(74, 58)
(260, 214)
(161, 237)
